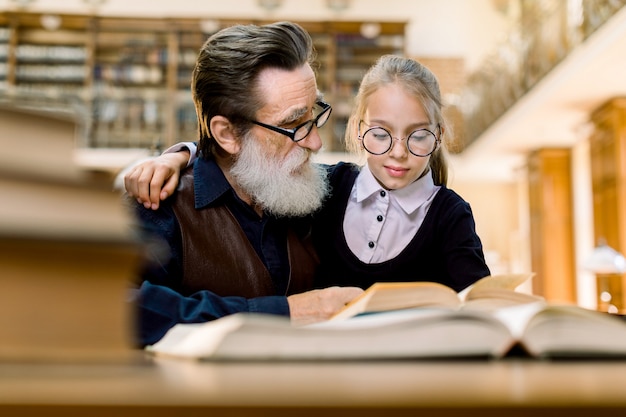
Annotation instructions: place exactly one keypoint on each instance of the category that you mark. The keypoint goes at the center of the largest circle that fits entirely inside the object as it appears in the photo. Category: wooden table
(170, 387)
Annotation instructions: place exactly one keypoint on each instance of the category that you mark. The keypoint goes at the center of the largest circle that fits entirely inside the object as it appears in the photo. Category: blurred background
(536, 90)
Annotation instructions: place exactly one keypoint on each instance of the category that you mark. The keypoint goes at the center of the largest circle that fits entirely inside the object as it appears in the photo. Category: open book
(536, 329)
(411, 320)
(488, 293)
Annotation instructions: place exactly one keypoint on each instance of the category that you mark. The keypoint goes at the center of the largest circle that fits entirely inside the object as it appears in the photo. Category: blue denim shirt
(159, 305)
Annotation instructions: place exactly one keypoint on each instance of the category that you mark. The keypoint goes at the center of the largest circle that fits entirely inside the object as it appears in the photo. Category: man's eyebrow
(298, 113)
(294, 116)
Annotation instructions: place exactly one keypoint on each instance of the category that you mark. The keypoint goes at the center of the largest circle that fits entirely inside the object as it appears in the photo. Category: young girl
(393, 219)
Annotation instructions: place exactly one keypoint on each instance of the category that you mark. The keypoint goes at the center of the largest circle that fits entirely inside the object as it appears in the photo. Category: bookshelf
(5, 36)
(129, 102)
(186, 42)
(353, 53)
(53, 60)
(133, 74)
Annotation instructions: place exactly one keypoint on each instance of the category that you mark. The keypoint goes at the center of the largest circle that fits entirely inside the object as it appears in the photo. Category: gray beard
(292, 187)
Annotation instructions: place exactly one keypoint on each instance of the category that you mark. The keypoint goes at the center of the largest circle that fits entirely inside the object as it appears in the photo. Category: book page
(516, 317)
(486, 285)
(495, 298)
(196, 340)
(382, 318)
(573, 331)
(498, 291)
(386, 296)
(504, 281)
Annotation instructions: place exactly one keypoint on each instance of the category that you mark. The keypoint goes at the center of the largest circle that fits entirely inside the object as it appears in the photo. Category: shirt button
(379, 218)
(383, 193)
(371, 245)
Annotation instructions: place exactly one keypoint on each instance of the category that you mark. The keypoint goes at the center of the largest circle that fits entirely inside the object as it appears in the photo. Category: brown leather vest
(217, 255)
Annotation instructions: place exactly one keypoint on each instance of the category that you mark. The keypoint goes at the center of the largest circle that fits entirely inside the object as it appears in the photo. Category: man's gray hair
(225, 77)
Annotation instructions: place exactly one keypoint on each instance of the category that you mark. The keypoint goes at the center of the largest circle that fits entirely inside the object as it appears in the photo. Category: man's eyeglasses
(377, 141)
(301, 131)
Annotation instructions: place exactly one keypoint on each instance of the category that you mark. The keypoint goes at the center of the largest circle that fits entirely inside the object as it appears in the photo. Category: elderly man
(237, 231)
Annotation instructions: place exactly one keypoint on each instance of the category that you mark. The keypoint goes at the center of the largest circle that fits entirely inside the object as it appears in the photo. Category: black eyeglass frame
(405, 140)
(291, 133)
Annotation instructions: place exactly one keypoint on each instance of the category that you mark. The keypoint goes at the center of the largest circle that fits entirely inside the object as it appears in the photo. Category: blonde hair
(418, 81)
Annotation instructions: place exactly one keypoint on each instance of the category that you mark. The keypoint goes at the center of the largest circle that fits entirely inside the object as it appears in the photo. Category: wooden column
(551, 224)
(608, 172)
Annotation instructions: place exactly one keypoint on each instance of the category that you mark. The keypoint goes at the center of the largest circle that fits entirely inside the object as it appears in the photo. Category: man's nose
(313, 141)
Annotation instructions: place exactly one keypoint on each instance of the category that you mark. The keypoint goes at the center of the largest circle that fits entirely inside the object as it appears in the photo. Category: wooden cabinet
(608, 175)
(551, 224)
(133, 75)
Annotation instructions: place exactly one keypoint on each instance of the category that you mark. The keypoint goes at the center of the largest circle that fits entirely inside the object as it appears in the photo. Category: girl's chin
(393, 183)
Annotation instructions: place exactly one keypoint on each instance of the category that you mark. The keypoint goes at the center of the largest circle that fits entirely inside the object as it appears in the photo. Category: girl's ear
(223, 132)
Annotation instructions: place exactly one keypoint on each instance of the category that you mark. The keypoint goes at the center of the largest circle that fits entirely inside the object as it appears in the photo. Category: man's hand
(319, 305)
(156, 179)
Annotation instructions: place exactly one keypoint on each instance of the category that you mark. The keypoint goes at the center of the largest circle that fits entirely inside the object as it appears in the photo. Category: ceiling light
(337, 5)
(270, 5)
(23, 3)
(50, 21)
(370, 30)
(209, 26)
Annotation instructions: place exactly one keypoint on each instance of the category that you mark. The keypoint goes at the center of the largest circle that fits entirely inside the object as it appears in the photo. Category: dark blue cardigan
(446, 248)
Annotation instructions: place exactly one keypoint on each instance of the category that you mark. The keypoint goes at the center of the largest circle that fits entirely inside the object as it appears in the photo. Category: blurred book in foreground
(67, 251)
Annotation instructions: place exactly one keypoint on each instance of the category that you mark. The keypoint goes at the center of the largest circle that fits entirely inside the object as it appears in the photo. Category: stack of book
(67, 251)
